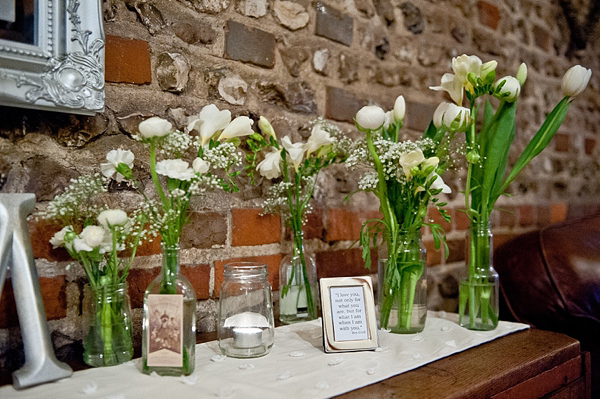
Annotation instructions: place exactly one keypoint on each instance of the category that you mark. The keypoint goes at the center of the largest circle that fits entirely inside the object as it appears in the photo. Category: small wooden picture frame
(349, 320)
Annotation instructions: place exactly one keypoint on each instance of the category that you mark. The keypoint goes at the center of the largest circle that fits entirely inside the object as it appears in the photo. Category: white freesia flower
(266, 128)
(439, 183)
(112, 217)
(511, 89)
(522, 74)
(270, 166)
(453, 86)
(240, 126)
(411, 159)
(114, 158)
(210, 121)
(389, 119)
(318, 138)
(200, 165)
(399, 108)
(370, 117)
(432, 161)
(488, 68)
(295, 151)
(155, 127)
(438, 115)
(575, 80)
(90, 238)
(58, 240)
(464, 65)
(452, 117)
(175, 169)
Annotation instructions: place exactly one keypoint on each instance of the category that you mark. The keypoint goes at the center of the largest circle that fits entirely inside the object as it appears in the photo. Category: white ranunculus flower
(512, 87)
(175, 169)
(411, 159)
(265, 127)
(210, 121)
(90, 238)
(439, 183)
(270, 166)
(58, 240)
(240, 126)
(575, 80)
(318, 138)
(295, 151)
(451, 85)
(155, 127)
(114, 158)
(112, 217)
(370, 117)
(399, 108)
(464, 65)
(200, 165)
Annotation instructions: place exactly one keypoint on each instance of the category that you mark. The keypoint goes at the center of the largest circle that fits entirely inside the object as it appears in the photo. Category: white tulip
(370, 117)
(575, 80)
(399, 108)
(200, 166)
(453, 86)
(155, 127)
(240, 126)
(411, 159)
(114, 158)
(511, 89)
(439, 183)
(318, 138)
(464, 65)
(270, 166)
(112, 217)
(210, 121)
(295, 151)
(266, 128)
(175, 169)
(90, 238)
(58, 240)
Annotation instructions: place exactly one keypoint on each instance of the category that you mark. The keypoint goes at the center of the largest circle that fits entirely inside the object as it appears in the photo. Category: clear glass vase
(402, 278)
(298, 292)
(246, 323)
(169, 320)
(478, 304)
(106, 314)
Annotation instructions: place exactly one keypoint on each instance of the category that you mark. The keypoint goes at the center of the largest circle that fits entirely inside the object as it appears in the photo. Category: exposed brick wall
(293, 61)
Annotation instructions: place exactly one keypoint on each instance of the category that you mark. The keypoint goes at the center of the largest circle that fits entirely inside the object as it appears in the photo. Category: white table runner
(297, 367)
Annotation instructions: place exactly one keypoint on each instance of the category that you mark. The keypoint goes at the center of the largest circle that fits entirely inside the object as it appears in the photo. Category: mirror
(52, 55)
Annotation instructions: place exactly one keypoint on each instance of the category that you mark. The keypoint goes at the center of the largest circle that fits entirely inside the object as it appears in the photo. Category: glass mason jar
(298, 292)
(106, 315)
(169, 320)
(402, 285)
(478, 304)
(245, 320)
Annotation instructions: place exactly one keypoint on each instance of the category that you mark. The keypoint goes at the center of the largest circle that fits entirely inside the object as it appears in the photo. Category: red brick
(152, 247)
(544, 216)
(526, 217)
(272, 262)
(542, 38)
(500, 239)
(558, 212)
(456, 250)
(344, 263)
(249, 227)
(40, 233)
(138, 281)
(461, 220)
(204, 230)
(589, 144)
(127, 61)
(313, 228)
(343, 224)
(436, 216)
(434, 256)
(489, 15)
(507, 216)
(54, 297)
(561, 142)
(199, 276)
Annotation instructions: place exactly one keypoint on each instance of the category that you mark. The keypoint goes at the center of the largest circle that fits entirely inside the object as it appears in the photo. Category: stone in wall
(248, 44)
(365, 7)
(294, 58)
(291, 15)
(211, 6)
(172, 72)
(194, 32)
(413, 18)
(320, 61)
(254, 8)
(348, 69)
(385, 10)
(334, 25)
(296, 96)
(149, 15)
(233, 89)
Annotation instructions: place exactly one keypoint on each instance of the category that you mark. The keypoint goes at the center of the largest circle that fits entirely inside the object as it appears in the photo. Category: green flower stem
(154, 176)
(169, 270)
(106, 323)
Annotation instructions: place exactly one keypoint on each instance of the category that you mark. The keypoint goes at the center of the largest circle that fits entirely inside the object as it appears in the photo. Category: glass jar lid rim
(245, 268)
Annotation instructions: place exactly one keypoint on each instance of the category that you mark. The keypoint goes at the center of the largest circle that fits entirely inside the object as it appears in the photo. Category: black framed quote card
(349, 322)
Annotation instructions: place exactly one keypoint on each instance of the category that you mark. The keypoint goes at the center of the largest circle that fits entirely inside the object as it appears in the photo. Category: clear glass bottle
(402, 295)
(245, 319)
(106, 315)
(298, 291)
(478, 304)
(169, 320)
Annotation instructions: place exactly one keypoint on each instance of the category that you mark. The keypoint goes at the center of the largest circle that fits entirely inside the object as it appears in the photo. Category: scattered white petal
(217, 358)
(89, 388)
(451, 343)
(446, 328)
(417, 337)
(322, 385)
(386, 329)
(188, 380)
(285, 376)
(417, 356)
(441, 314)
(373, 370)
(154, 374)
(297, 354)
(246, 366)
(335, 361)
(381, 349)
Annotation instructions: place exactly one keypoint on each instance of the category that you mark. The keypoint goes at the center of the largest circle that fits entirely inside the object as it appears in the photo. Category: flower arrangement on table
(295, 167)
(487, 158)
(405, 176)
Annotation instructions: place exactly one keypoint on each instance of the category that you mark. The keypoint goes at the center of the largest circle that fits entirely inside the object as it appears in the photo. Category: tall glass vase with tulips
(405, 176)
(294, 167)
(488, 175)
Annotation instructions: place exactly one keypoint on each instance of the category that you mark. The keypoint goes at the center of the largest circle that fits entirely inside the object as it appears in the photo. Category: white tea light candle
(247, 337)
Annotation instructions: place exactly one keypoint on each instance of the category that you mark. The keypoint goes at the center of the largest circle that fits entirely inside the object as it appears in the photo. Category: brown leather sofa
(550, 279)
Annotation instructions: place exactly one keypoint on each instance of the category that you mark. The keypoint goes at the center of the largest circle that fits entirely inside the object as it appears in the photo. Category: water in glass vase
(298, 288)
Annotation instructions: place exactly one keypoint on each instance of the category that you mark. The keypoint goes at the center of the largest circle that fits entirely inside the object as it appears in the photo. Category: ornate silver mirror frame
(64, 70)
